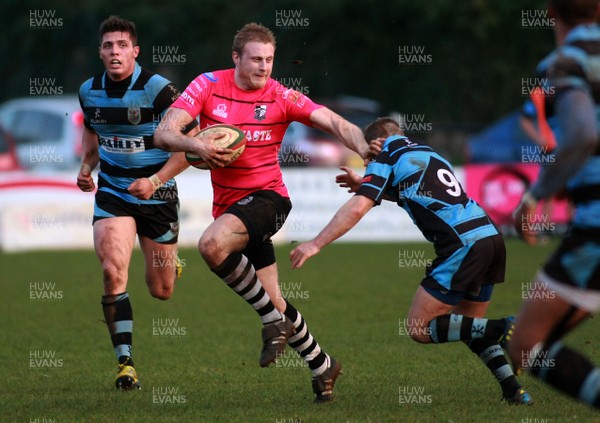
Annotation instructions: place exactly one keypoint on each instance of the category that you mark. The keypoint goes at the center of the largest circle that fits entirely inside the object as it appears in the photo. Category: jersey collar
(134, 76)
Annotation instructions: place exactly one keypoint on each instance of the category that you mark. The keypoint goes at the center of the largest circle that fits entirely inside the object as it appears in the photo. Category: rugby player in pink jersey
(251, 201)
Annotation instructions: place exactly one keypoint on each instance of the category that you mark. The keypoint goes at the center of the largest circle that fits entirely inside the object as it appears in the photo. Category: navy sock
(118, 315)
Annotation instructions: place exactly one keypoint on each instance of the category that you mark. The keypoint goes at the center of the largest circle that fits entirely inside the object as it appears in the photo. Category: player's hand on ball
(523, 219)
(302, 253)
(214, 156)
(85, 182)
(350, 179)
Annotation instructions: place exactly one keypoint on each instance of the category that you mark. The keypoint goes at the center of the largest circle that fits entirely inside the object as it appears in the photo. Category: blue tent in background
(501, 142)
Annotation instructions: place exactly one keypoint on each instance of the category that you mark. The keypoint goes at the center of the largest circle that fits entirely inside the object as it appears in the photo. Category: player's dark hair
(382, 127)
(252, 32)
(117, 24)
(575, 12)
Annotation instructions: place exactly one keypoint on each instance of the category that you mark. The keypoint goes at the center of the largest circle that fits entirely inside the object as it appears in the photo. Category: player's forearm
(89, 149)
(91, 158)
(344, 220)
(351, 136)
(174, 141)
(176, 164)
(577, 118)
(175, 131)
(553, 178)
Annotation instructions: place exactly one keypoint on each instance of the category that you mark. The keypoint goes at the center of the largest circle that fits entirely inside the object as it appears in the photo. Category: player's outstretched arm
(344, 220)
(577, 117)
(169, 136)
(89, 160)
(348, 133)
(576, 111)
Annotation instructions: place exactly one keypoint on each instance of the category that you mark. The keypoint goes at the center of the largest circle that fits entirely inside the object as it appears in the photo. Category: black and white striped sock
(304, 343)
(456, 327)
(492, 355)
(239, 274)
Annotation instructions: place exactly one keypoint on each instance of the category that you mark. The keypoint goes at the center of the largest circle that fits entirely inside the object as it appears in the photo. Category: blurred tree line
(472, 54)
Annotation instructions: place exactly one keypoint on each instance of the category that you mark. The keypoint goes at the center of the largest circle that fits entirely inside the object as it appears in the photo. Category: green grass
(353, 297)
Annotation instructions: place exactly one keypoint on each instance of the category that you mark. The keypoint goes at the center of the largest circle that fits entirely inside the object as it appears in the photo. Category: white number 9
(447, 178)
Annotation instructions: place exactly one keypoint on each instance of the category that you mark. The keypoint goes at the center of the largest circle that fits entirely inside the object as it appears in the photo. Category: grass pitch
(197, 354)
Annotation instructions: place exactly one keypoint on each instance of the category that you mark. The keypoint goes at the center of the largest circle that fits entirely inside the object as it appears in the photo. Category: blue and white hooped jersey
(125, 115)
(423, 183)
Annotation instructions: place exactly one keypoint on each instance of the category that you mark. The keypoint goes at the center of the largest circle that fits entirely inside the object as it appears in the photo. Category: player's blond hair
(252, 32)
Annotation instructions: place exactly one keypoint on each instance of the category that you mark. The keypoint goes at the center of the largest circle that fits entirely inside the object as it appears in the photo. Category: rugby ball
(233, 138)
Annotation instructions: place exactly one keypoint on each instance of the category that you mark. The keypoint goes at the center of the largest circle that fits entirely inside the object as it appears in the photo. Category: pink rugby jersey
(263, 115)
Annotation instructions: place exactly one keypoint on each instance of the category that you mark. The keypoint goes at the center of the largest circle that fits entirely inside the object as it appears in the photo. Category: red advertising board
(498, 189)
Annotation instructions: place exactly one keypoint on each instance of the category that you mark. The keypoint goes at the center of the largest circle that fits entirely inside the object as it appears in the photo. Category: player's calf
(419, 330)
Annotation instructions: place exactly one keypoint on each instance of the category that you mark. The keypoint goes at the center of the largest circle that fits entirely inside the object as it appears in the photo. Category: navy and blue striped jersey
(125, 115)
(423, 183)
(576, 65)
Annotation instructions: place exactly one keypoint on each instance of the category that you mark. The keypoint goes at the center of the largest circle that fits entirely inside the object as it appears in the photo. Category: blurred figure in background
(566, 291)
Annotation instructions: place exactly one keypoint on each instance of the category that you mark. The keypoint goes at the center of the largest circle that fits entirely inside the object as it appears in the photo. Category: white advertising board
(48, 211)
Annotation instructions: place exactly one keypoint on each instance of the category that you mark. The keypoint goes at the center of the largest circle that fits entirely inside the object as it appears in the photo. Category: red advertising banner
(498, 189)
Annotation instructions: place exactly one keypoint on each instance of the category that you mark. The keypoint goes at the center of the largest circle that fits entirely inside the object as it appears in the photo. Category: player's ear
(136, 51)
(235, 57)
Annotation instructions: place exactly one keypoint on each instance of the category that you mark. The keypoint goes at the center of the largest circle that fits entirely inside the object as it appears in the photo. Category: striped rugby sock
(118, 315)
(455, 327)
(492, 355)
(568, 371)
(304, 343)
(239, 274)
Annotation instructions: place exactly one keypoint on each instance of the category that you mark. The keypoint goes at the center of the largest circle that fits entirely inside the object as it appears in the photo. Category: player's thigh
(471, 308)
(222, 237)
(114, 239)
(475, 303)
(564, 292)
(423, 310)
(262, 214)
(467, 271)
(538, 317)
